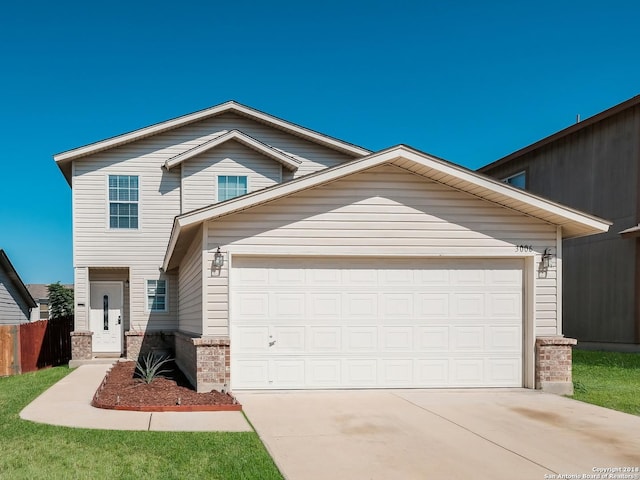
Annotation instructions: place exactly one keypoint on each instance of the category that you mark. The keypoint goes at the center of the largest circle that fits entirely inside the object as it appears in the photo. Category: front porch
(204, 361)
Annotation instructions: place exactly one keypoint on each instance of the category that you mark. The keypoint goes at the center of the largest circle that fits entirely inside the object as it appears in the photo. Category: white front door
(105, 318)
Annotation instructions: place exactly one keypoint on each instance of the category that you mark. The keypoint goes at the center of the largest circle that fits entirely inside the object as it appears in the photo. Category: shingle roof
(40, 291)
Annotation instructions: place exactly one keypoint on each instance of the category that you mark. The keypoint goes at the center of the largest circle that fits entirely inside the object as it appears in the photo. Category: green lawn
(35, 451)
(607, 379)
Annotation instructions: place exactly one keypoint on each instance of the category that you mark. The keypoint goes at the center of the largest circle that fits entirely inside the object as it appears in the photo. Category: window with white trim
(518, 180)
(230, 186)
(123, 201)
(156, 295)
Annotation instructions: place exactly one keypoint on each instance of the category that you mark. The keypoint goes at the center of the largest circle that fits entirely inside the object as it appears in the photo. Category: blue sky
(465, 80)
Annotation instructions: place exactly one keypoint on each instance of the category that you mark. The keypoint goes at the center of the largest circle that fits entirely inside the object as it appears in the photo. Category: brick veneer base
(81, 345)
(553, 365)
(141, 343)
(204, 360)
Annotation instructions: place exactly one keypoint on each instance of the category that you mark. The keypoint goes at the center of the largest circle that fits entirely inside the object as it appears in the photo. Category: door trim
(110, 283)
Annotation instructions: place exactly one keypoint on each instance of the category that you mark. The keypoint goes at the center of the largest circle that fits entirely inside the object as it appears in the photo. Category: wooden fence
(31, 346)
(9, 350)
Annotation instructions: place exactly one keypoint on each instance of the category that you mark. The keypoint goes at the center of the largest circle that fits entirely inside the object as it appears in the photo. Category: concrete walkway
(68, 403)
(422, 434)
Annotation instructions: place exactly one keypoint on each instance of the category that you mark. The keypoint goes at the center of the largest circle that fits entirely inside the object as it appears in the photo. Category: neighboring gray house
(15, 300)
(593, 166)
(270, 256)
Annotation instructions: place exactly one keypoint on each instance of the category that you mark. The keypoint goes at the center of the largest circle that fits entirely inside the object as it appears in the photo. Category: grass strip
(36, 451)
(608, 379)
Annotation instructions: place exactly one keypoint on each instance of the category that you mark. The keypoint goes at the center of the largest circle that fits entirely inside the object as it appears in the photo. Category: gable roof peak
(64, 159)
(248, 141)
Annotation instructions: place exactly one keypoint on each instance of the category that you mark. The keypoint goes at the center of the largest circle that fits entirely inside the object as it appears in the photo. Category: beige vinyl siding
(135, 315)
(217, 299)
(199, 174)
(314, 157)
(141, 319)
(159, 202)
(81, 298)
(190, 289)
(546, 302)
(385, 211)
(97, 245)
(142, 250)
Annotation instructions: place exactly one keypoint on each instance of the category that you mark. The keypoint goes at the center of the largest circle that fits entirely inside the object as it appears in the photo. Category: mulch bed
(121, 390)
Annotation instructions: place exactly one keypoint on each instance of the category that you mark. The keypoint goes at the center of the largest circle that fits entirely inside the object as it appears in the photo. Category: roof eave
(288, 162)
(632, 102)
(173, 240)
(230, 106)
(574, 223)
(15, 278)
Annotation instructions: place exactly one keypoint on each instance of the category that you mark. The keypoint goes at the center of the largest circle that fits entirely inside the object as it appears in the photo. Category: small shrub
(148, 368)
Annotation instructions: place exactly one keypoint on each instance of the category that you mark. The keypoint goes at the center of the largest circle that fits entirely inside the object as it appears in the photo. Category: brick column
(553, 364)
(137, 344)
(213, 360)
(81, 345)
(206, 361)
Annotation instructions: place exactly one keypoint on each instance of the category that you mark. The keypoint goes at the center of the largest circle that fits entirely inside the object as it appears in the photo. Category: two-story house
(593, 165)
(265, 255)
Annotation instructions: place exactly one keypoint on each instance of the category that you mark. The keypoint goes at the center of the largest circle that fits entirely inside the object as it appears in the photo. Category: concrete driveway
(441, 434)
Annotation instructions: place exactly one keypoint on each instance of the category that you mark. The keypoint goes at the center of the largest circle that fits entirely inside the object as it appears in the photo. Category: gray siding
(13, 309)
(595, 170)
(382, 211)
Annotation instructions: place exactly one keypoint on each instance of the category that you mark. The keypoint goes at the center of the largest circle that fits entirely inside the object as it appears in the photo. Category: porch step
(93, 361)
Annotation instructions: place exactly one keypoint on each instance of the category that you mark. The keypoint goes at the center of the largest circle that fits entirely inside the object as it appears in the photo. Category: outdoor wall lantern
(546, 259)
(218, 259)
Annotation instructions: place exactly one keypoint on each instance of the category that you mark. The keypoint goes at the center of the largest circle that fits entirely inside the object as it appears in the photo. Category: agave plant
(148, 368)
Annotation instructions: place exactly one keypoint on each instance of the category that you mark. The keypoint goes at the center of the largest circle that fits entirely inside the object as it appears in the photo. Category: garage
(345, 322)
(398, 270)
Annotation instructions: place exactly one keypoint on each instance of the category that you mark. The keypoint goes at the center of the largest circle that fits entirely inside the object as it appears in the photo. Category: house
(40, 293)
(594, 166)
(270, 256)
(15, 300)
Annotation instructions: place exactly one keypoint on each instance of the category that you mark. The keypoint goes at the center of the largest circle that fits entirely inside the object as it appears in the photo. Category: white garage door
(301, 323)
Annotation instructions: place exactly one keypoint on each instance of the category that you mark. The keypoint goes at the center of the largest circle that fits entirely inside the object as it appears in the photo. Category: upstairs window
(518, 180)
(123, 201)
(230, 186)
(156, 295)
